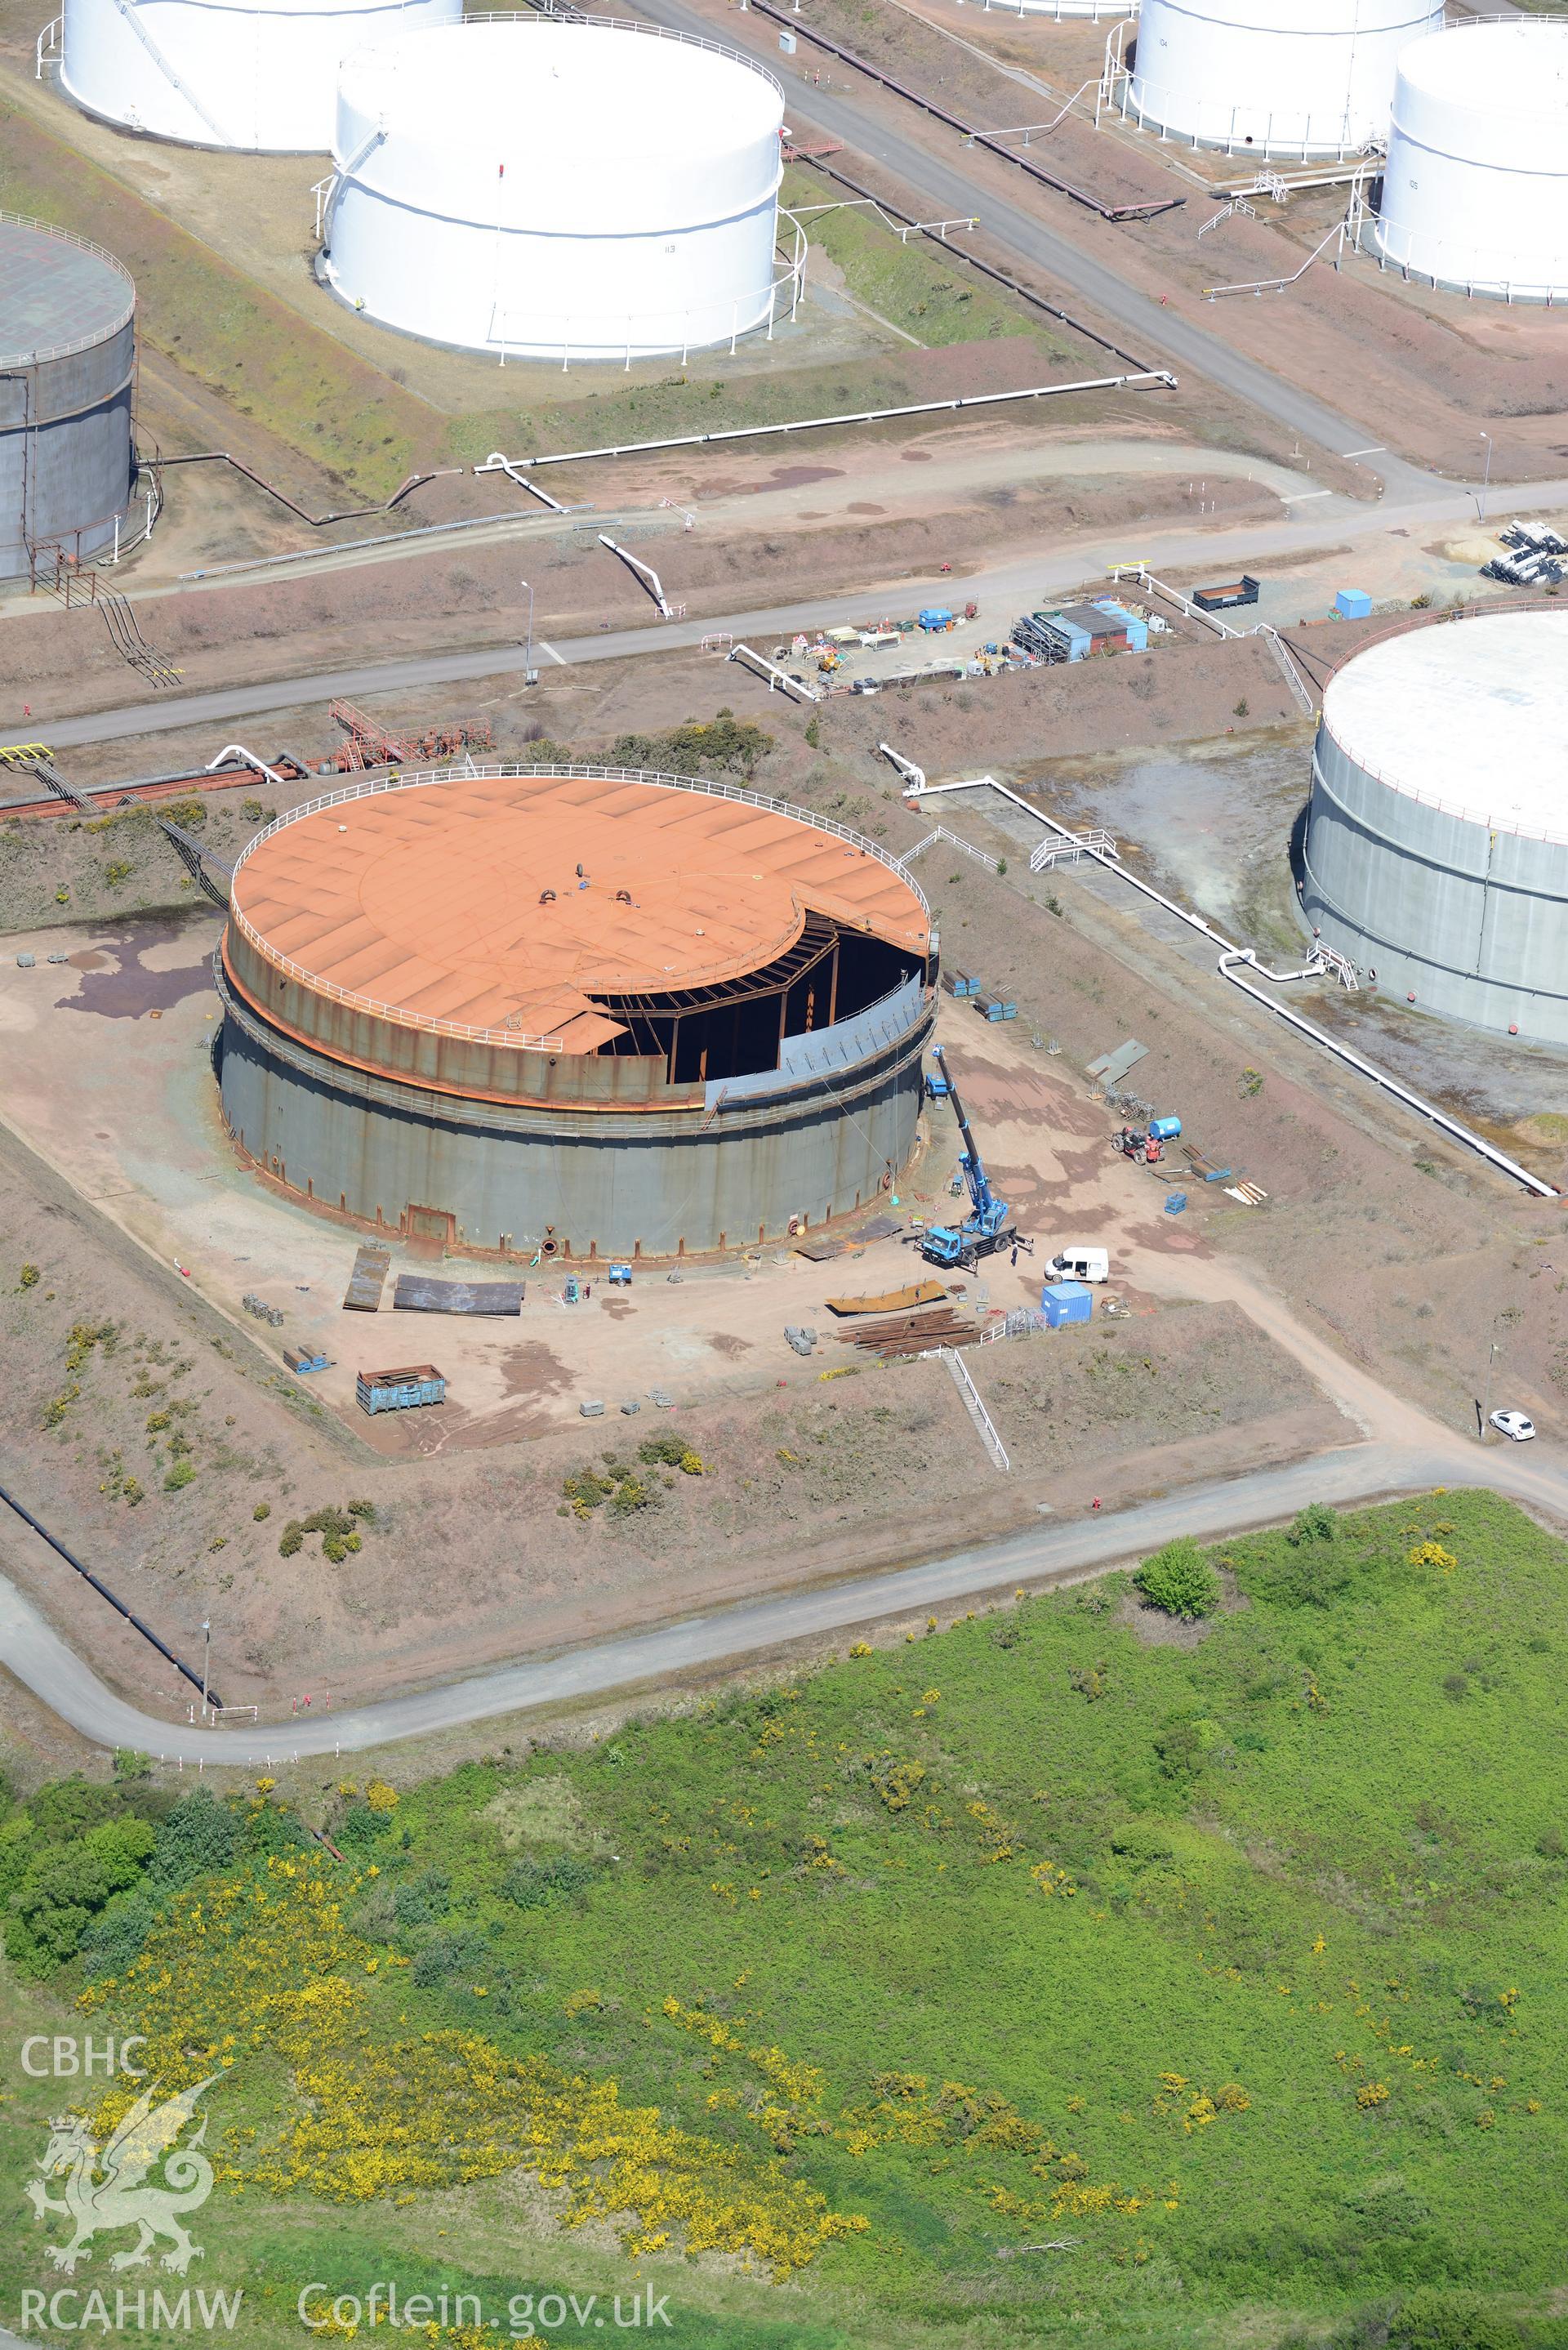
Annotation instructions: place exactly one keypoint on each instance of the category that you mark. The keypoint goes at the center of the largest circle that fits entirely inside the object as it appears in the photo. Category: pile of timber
(912, 1333)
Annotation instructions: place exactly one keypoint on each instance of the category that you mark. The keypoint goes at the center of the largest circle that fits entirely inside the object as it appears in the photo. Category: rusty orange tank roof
(430, 900)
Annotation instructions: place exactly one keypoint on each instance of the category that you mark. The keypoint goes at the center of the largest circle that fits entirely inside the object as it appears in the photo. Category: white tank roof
(260, 75)
(1475, 191)
(550, 95)
(1272, 77)
(1470, 717)
(1516, 69)
(587, 188)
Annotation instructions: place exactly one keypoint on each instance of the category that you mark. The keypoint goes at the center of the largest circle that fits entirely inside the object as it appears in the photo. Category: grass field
(359, 422)
(1035, 1979)
(236, 339)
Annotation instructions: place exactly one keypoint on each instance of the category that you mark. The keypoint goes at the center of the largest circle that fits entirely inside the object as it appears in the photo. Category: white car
(1076, 1263)
(1515, 1424)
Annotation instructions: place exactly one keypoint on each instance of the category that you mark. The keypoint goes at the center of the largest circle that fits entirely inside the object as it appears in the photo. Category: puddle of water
(116, 986)
(800, 477)
(782, 477)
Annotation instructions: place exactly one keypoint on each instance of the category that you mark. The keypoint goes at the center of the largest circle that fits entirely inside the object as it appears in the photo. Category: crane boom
(975, 1174)
(985, 1227)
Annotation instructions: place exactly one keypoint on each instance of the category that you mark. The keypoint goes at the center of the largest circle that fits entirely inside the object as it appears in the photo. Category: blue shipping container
(1063, 1302)
(1354, 604)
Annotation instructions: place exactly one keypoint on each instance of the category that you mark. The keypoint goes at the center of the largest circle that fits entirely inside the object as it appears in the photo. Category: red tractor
(1134, 1143)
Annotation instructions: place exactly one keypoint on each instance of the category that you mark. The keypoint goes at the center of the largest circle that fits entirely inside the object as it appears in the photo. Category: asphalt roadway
(937, 171)
(1414, 501)
(667, 1654)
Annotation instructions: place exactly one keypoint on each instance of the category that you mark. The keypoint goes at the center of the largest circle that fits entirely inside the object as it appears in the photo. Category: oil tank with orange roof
(578, 1012)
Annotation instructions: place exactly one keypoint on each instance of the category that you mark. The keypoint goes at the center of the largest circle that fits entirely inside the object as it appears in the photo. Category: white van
(1073, 1263)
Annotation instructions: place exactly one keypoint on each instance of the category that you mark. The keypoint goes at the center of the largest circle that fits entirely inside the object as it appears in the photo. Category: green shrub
(535, 1884)
(1179, 1580)
(263, 1510)
(29, 1277)
(732, 744)
(1431, 2319)
(425, 1899)
(671, 1451)
(292, 1541)
(181, 1475)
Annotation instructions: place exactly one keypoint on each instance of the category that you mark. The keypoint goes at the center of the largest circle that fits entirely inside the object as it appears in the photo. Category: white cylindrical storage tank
(1436, 844)
(531, 187)
(212, 73)
(1272, 77)
(1475, 191)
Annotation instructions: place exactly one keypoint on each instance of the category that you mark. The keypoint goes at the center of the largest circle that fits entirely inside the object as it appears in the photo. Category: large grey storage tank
(67, 365)
(1436, 844)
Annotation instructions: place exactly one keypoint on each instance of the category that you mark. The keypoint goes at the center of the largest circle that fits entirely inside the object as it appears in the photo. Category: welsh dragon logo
(109, 2190)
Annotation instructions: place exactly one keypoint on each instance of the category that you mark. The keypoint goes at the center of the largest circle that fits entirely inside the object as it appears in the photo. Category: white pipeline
(645, 572)
(237, 750)
(1230, 955)
(496, 463)
(862, 416)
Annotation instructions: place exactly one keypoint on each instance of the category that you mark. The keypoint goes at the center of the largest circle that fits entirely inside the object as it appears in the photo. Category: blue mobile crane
(985, 1228)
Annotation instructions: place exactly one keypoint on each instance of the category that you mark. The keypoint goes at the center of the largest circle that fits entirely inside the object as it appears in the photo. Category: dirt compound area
(181, 1452)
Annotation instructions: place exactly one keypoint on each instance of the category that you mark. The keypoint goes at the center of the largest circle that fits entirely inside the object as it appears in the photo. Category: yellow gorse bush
(265, 1962)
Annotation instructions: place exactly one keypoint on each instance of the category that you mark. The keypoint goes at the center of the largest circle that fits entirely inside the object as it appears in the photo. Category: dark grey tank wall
(65, 450)
(1471, 922)
(614, 1181)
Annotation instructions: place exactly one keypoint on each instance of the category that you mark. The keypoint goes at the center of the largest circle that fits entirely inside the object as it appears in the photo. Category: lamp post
(530, 674)
(206, 1659)
(1485, 483)
(1484, 1406)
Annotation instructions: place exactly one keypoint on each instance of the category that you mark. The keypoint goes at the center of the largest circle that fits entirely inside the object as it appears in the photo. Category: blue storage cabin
(1135, 624)
(1065, 1302)
(1353, 603)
